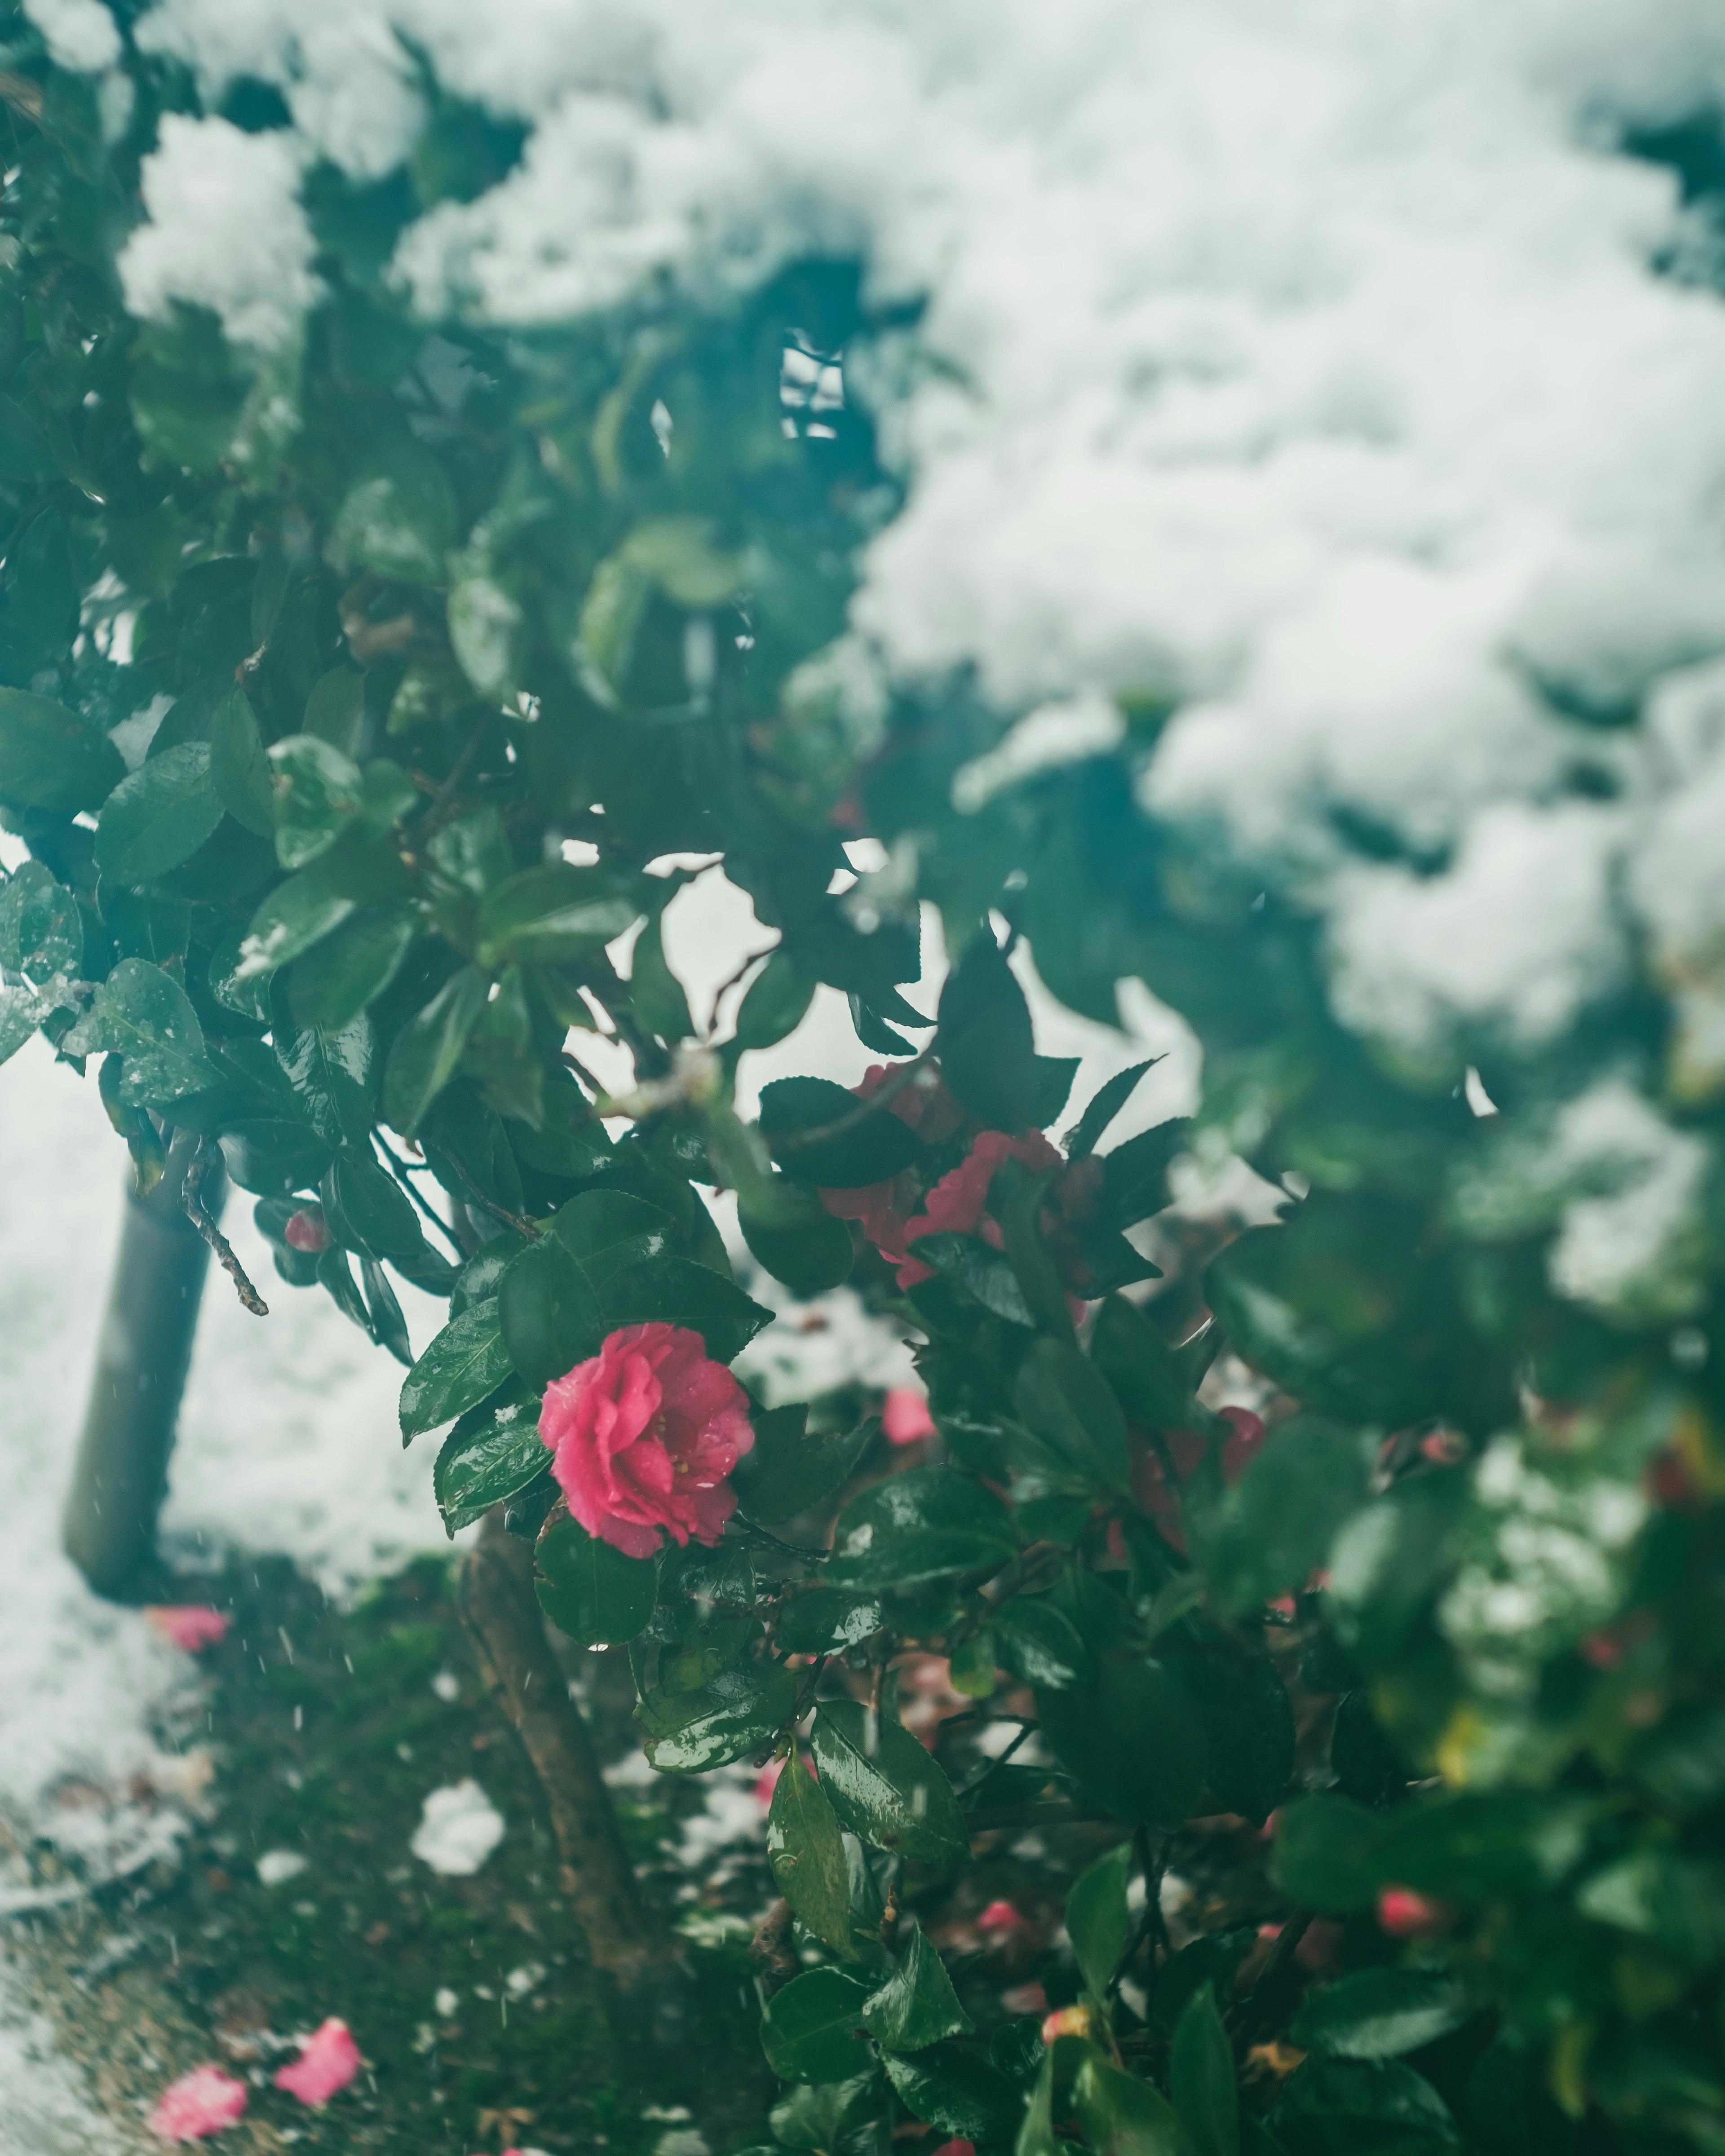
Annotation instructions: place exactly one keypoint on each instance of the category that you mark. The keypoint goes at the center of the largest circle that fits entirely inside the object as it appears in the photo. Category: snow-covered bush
(1225, 496)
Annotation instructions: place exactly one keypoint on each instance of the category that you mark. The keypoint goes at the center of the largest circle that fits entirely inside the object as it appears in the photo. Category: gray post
(109, 1526)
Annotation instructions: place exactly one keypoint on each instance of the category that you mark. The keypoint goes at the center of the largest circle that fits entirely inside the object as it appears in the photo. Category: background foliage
(320, 665)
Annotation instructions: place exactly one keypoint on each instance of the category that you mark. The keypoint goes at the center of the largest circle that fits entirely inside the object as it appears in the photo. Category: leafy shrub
(358, 689)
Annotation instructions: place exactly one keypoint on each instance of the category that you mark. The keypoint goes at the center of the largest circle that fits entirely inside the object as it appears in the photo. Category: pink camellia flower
(906, 1417)
(188, 1624)
(328, 2060)
(307, 1230)
(957, 1203)
(1001, 1918)
(200, 2102)
(1406, 1915)
(961, 2147)
(643, 1435)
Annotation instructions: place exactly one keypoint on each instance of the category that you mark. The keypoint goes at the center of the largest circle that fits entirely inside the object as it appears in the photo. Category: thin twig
(726, 986)
(192, 1199)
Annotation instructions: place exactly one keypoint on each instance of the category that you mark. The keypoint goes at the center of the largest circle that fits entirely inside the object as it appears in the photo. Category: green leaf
(466, 1361)
(655, 994)
(806, 1852)
(1202, 2080)
(239, 767)
(1214, 1959)
(398, 518)
(318, 792)
(22, 1010)
(1379, 2013)
(955, 2088)
(595, 1593)
(1064, 1400)
(678, 1291)
(550, 916)
(367, 1210)
(1249, 1727)
(53, 758)
(873, 1146)
(465, 1144)
(141, 1014)
(334, 1274)
(549, 1313)
(570, 1143)
(334, 982)
(429, 1047)
(41, 929)
(494, 1451)
(485, 634)
(1104, 1104)
(821, 2118)
(1132, 1738)
(787, 1471)
(295, 915)
(923, 1526)
(884, 1786)
(979, 1271)
(812, 2030)
(775, 1006)
(335, 710)
(797, 1241)
(825, 1620)
(916, 2006)
(1015, 1199)
(1123, 2116)
(158, 816)
(271, 1158)
(1326, 1854)
(1277, 1522)
(1097, 1920)
(1376, 2108)
(1040, 1645)
(389, 1328)
(988, 1057)
(1135, 1174)
(607, 1231)
(1145, 1374)
(740, 1710)
(332, 1077)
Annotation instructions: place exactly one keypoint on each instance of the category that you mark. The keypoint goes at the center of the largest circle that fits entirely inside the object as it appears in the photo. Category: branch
(500, 1613)
(191, 1197)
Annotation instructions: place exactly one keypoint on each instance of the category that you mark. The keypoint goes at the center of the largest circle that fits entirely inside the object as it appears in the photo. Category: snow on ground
(45, 2107)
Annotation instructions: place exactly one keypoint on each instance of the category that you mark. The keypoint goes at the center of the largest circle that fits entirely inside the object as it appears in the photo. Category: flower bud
(307, 1230)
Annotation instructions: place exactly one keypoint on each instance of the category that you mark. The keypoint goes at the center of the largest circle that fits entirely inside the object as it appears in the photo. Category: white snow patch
(79, 34)
(276, 1866)
(225, 231)
(459, 1829)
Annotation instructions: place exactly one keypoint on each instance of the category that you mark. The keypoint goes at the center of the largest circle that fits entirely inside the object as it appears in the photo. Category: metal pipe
(143, 1355)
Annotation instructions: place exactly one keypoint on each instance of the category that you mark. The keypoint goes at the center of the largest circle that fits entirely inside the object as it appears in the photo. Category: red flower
(328, 2059)
(643, 1435)
(1406, 1915)
(307, 1229)
(957, 1203)
(905, 1418)
(200, 2102)
(188, 1624)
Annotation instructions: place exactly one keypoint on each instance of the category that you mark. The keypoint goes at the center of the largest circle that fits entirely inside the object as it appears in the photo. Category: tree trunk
(120, 1478)
(502, 1616)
